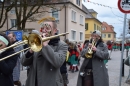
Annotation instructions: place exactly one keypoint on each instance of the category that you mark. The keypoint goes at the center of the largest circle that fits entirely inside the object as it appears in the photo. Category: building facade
(91, 22)
(108, 32)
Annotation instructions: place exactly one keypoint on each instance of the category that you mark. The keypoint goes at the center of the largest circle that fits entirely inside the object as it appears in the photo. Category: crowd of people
(48, 67)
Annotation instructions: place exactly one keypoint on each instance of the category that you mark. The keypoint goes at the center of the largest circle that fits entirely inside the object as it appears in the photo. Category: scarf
(54, 41)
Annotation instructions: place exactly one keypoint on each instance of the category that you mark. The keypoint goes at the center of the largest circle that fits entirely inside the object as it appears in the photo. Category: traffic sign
(18, 33)
(124, 6)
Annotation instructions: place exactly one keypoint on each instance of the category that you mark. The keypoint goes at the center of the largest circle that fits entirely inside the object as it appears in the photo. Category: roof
(109, 28)
(64, 2)
(95, 19)
(88, 15)
(92, 11)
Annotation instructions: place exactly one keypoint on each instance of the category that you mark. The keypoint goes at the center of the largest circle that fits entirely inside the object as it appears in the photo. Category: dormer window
(103, 28)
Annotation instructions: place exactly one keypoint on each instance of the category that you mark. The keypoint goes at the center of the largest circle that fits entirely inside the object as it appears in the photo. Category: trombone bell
(24, 37)
(35, 42)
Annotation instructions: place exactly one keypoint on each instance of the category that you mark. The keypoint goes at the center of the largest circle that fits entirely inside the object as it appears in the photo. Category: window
(81, 36)
(78, 2)
(32, 0)
(73, 16)
(103, 35)
(18, 2)
(109, 35)
(12, 11)
(97, 27)
(13, 22)
(81, 19)
(73, 35)
(86, 26)
(114, 35)
(103, 28)
(55, 14)
(94, 26)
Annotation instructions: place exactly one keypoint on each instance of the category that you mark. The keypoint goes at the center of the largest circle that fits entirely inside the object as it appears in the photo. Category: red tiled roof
(109, 28)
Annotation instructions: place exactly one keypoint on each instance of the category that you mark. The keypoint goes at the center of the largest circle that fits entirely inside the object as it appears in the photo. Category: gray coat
(100, 73)
(47, 64)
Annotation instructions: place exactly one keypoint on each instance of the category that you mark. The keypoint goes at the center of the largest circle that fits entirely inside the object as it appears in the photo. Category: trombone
(33, 40)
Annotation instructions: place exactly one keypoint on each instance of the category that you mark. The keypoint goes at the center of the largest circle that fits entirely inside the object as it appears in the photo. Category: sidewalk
(113, 70)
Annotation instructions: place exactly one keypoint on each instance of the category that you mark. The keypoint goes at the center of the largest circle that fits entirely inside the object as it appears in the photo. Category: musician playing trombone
(93, 71)
(45, 64)
(6, 66)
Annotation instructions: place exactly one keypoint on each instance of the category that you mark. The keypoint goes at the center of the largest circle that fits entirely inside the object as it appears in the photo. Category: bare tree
(5, 7)
(41, 13)
(26, 9)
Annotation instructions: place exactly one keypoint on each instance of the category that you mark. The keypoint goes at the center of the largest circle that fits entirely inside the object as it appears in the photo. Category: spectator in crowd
(73, 58)
(85, 42)
(109, 46)
(16, 71)
(80, 49)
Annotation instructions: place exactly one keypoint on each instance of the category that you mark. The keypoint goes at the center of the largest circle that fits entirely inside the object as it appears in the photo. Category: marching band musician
(93, 71)
(6, 66)
(45, 64)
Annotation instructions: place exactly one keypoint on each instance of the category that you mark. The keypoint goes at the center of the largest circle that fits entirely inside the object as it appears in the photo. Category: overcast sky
(111, 16)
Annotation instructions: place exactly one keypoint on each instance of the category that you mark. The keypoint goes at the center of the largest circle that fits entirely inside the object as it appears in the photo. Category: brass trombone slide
(13, 45)
(34, 41)
(14, 54)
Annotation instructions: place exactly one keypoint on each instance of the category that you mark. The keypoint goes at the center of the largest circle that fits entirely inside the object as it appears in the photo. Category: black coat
(6, 68)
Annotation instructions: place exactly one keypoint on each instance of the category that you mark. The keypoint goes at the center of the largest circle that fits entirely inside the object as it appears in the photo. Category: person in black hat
(16, 70)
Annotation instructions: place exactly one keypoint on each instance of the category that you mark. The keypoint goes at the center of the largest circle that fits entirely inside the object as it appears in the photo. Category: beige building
(70, 19)
(108, 33)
